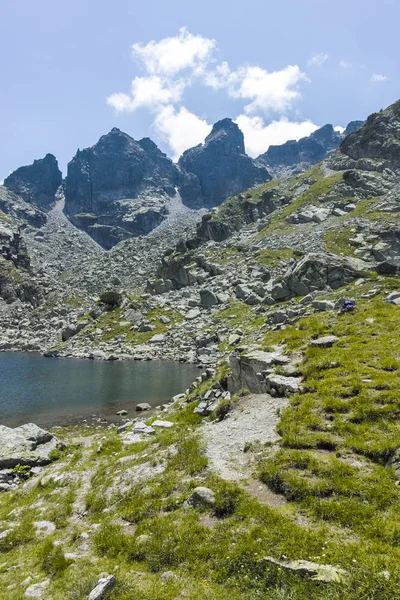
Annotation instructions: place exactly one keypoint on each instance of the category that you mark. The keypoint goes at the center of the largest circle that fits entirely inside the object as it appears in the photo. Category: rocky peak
(352, 126)
(378, 138)
(296, 156)
(227, 134)
(219, 168)
(117, 188)
(37, 183)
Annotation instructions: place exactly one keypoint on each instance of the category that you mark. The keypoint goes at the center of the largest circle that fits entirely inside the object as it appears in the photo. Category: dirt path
(253, 419)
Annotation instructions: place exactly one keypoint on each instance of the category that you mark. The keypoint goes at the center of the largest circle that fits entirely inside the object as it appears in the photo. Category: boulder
(247, 368)
(202, 496)
(143, 406)
(103, 585)
(324, 342)
(208, 298)
(26, 445)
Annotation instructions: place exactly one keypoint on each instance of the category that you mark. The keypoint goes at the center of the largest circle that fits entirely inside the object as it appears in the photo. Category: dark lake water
(50, 392)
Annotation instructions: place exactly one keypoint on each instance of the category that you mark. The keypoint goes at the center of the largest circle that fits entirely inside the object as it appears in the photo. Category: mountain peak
(36, 183)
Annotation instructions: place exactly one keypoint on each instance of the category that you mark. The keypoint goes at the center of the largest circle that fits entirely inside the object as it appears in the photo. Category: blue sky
(71, 71)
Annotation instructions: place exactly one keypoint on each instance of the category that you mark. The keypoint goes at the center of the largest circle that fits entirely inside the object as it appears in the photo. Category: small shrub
(52, 558)
(23, 471)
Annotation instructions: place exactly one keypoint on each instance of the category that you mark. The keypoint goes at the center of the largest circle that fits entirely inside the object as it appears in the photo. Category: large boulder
(317, 271)
(220, 166)
(249, 370)
(26, 445)
(37, 183)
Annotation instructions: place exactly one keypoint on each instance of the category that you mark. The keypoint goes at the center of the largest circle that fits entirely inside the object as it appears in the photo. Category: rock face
(294, 157)
(316, 271)
(219, 168)
(117, 188)
(37, 183)
(378, 139)
(26, 445)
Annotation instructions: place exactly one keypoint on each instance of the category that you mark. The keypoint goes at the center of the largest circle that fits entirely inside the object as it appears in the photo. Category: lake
(49, 391)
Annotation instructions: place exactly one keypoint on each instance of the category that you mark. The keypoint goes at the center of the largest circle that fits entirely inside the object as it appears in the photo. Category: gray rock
(163, 424)
(37, 183)
(208, 298)
(37, 590)
(324, 342)
(192, 314)
(282, 386)
(140, 427)
(103, 585)
(26, 445)
(202, 496)
(143, 406)
(247, 367)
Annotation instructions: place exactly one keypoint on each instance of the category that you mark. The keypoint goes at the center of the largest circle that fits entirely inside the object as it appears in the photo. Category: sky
(70, 71)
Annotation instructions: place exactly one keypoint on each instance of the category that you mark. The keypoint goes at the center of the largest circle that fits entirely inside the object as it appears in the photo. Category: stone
(322, 305)
(208, 298)
(158, 338)
(282, 386)
(164, 320)
(26, 445)
(143, 406)
(122, 413)
(202, 496)
(141, 427)
(317, 572)
(163, 424)
(36, 590)
(324, 342)
(44, 528)
(192, 314)
(103, 585)
(246, 367)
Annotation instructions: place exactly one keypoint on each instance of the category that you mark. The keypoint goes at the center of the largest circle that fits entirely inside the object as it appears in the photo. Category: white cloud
(175, 63)
(378, 78)
(344, 64)
(181, 129)
(274, 91)
(317, 59)
(149, 92)
(259, 136)
(171, 55)
(269, 91)
(339, 129)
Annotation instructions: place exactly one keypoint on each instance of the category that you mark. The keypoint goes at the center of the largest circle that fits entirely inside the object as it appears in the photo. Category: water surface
(49, 391)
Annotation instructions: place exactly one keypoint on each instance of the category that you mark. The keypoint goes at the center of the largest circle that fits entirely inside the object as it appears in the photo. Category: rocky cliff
(221, 166)
(37, 183)
(297, 156)
(118, 188)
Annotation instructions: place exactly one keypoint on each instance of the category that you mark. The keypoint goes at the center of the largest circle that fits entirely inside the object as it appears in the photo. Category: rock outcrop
(296, 156)
(378, 139)
(37, 183)
(118, 188)
(221, 167)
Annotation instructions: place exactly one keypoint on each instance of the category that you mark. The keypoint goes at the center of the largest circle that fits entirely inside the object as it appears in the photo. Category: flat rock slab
(163, 424)
(36, 590)
(26, 445)
(317, 572)
(324, 342)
